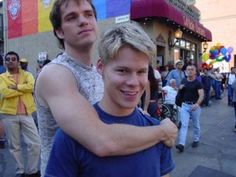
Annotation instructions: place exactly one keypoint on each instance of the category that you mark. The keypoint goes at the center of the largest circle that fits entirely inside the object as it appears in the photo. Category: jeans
(185, 114)
(206, 97)
(230, 94)
(14, 127)
(217, 89)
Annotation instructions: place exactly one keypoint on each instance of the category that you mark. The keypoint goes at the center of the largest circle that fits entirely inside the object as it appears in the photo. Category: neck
(13, 70)
(83, 55)
(191, 78)
(113, 109)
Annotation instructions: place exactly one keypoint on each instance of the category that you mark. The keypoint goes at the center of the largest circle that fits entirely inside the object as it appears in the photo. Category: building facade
(29, 33)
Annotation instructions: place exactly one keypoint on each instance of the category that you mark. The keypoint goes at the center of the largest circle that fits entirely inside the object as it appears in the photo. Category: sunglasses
(11, 58)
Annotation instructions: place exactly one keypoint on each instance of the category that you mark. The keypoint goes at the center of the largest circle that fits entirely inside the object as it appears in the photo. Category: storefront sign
(190, 24)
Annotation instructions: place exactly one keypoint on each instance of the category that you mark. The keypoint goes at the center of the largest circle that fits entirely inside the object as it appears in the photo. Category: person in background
(206, 82)
(125, 52)
(234, 102)
(2, 67)
(150, 96)
(17, 105)
(170, 92)
(46, 62)
(217, 83)
(157, 75)
(2, 133)
(24, 64)
(68, 85)
(229, 81)
(193, 96)
(158, 65)
(164, 74)
(177, 73)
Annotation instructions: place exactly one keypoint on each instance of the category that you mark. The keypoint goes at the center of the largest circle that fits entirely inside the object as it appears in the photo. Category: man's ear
(100, 66)
(59, 33)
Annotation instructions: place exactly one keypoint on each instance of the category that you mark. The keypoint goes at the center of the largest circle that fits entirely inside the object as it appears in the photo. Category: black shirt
(190, 92)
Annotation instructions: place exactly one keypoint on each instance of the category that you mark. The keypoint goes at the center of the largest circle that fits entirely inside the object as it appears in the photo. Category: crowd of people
(88, 122)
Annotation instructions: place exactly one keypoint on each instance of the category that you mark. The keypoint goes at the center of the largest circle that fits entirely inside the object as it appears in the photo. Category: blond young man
(125, 52)
(66, 88)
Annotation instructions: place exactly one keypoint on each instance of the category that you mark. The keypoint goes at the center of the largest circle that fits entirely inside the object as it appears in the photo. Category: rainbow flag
(27, 17)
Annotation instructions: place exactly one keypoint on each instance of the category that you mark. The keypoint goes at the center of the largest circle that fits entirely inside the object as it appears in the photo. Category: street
(217, 150)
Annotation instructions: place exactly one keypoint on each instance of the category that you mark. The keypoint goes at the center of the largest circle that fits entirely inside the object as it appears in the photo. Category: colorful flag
(14, 18)
(29, 12)
(44, 8)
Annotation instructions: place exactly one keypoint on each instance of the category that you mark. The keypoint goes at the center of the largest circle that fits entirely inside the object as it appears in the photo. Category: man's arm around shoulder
(78, 118)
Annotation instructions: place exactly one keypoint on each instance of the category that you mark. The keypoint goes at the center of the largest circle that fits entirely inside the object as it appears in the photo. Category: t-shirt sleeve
(199, 85)
(166, 163)
(62, 161)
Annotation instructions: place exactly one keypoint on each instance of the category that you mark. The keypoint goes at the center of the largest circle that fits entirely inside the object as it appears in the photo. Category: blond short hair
(125, 34)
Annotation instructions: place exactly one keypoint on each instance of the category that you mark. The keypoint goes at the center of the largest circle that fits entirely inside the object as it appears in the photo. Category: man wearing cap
(24, 64)
(177, 73)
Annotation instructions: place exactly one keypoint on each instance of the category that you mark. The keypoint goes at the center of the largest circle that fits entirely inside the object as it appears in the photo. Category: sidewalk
(217, 148)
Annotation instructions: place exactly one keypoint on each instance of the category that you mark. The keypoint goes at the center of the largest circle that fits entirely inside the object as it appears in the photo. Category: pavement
(217, 149)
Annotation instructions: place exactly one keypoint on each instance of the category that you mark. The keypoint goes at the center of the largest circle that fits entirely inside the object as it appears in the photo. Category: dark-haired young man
(17, 105)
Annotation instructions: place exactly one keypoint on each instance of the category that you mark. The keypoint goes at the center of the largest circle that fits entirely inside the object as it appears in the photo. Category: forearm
(10, 93)
(126, 139)
(116, 139)
(200, 99)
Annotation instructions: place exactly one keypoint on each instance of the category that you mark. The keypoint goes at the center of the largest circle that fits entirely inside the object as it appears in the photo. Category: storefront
(173, 26)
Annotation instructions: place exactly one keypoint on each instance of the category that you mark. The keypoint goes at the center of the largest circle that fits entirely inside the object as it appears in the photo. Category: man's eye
(70, 18)
(89, 14)
(122, 70)
(142, 72)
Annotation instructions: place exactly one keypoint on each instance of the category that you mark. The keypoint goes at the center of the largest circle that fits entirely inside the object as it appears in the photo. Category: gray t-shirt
(90, 85)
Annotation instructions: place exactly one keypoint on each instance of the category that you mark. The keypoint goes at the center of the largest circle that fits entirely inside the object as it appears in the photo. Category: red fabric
(14, 18)
(29, 17)
(22, 17)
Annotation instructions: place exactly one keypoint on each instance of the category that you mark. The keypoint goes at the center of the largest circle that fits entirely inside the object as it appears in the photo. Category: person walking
(66, 102)
(17, 105)
(193, 96)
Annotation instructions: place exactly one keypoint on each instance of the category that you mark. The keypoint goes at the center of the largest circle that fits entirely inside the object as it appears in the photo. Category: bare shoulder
(54, 80)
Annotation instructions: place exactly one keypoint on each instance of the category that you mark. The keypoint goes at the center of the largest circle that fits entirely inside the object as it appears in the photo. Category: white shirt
(157, 74)
(231, 78)
(170, 95)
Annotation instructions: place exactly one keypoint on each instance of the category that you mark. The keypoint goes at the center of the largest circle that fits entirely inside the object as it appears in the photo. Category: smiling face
(78, 24)
(125, 78)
